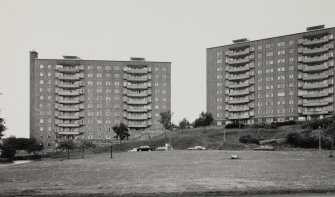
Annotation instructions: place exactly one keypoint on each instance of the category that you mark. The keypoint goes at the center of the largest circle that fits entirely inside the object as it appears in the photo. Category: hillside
(211, 138)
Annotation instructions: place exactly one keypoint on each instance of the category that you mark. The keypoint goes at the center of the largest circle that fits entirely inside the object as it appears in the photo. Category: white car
(197, 148)
(133, 150)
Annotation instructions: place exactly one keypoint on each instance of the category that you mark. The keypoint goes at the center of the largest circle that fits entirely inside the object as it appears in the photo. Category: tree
(67, 144)
(165, 120)
(32, 146)
(3, 128)
(121, 131)
(84, 144)
(205, 119)
(184, 124)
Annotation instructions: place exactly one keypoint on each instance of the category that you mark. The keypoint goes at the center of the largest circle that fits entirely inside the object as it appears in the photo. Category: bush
(234, 126)
(7, 151)
(308, 140)
(248, 139)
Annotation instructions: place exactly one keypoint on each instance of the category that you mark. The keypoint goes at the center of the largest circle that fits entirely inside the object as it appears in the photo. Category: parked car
(133, 150)
(161, 148)
(145, 148)
(197, 148)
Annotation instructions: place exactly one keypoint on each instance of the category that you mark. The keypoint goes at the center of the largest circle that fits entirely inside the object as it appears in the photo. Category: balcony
(315, 59)
(315, 104)
(144, 117)
(68, 86)
(65, 93)
(75, 101)
(69, 62)
(314, 68)
(239, 101)
(68, 109)
(238, 53)
(314, 51)
(68, 117)
(239, 93)
(68, 125)
(137, 94)
(69, 78)
(68, 133)
(237, 69)
(314, 86)
(137, 102)
(137, 71)
(137, 126)
(137, 87)
(142, 79)
(315, 77)
(315, 41)
(138, 110)
(238, 109)
(238, 61)
(314, 95)
(240, 85)
(68, 70)
(238, 117)
(309, 113)
(238, 77)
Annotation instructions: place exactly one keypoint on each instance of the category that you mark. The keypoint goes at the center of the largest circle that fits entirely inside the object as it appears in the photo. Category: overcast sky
(171, 30)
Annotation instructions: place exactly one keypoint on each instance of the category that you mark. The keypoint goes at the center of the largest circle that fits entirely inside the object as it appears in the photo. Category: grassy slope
(211, 138)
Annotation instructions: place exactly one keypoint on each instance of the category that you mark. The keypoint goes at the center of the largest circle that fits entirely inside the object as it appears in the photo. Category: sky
(178, 31)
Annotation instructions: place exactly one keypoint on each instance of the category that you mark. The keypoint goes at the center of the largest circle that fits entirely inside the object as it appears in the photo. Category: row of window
(90, 67)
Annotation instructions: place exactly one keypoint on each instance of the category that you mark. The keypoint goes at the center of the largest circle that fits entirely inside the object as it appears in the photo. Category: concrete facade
(71, 96)
(289, 77)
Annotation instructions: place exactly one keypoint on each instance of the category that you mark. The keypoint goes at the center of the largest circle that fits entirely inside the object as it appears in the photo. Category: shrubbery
(308, 139)
(234, 126)
(248, 139)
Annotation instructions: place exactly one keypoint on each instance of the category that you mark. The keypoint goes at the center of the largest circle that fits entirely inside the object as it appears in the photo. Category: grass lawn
(175, 173)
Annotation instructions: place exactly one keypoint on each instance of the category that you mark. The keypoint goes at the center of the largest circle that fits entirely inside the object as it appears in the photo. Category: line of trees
(205, 119)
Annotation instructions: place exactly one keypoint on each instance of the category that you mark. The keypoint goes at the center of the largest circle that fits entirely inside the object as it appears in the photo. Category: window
(41, 82)
(219, 54)
(291, 68)
(90, 67)
(291, 59)
(219, 68)
(291, 76)
(281, 93)
(281, 60)
(259, 72)
(259, 88)
(89, 82)
(291, 51)
(99, 75)
(281, 77)
(269, 70)
(269, 87)
(219, 76)
(99, 83)
(219, 84)
(281, 44)
(41, 74)
(291, 42)
(219, 61)
(268, 54)
(269, 46)
(108, 67)
(281, 69)
(269, 62)
(290, 85)
(99, 67)
(117, 67)
(281, 52)
(41, 66)
(282, 85)
(259, 47)
(269, 79)
(89, 75)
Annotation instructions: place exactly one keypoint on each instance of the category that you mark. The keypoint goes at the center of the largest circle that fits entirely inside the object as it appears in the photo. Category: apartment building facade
(71, 97)
(276, 79)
